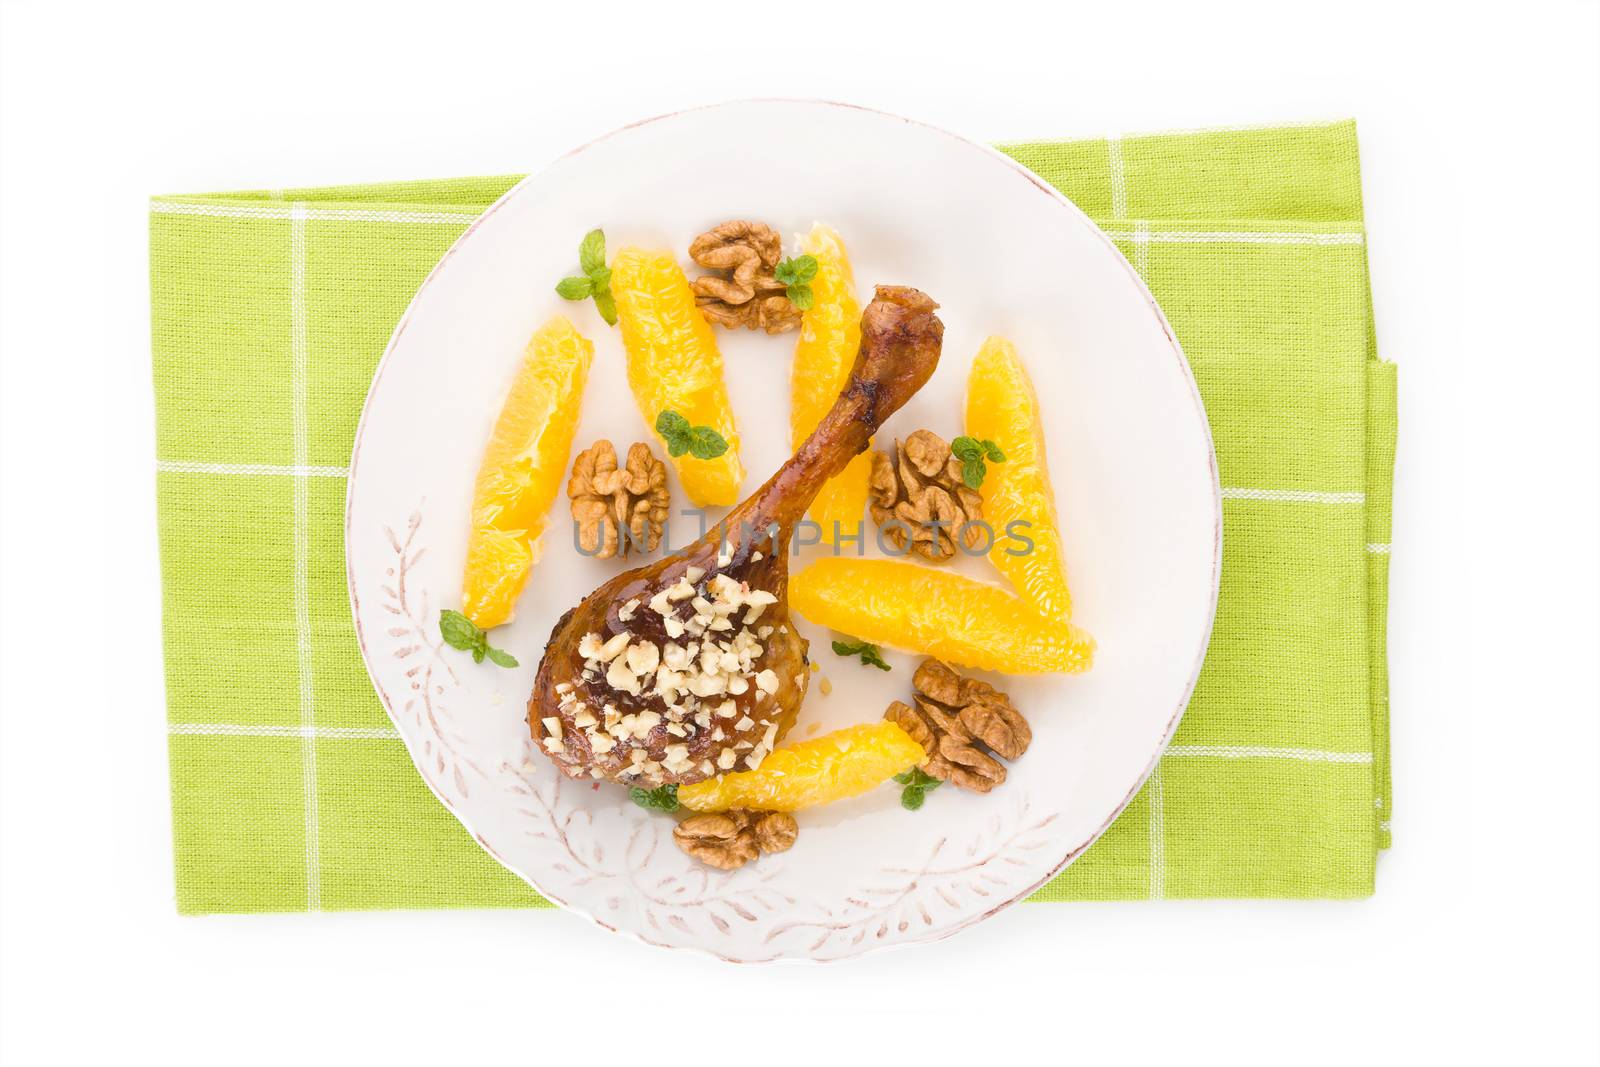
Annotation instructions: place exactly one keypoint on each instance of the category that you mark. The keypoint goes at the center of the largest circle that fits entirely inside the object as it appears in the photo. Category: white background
(1479, 141)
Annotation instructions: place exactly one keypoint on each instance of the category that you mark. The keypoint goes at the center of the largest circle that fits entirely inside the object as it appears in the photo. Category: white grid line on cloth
(299, 361)
(1158, 837)
(1241, 237)
(1378, 550)
(319, 214)
(1141, 266)
(179, 466)
(321, 733)
(1141, 250)
(1119, 183)
(183, 466)
(1308, 755)
(1293, 496)
(1384, 826)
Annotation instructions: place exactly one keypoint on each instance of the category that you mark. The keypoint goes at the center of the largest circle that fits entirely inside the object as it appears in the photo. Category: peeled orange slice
(522, 471)
(1002, 407)
(674, 365)
(827, 768)
(830, 336)
(937, 613)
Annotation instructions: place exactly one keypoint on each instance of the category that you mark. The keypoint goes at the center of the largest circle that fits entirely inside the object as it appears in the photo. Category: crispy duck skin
(574, 697)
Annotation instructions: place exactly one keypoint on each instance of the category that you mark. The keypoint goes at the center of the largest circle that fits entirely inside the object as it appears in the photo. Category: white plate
(1002, 252)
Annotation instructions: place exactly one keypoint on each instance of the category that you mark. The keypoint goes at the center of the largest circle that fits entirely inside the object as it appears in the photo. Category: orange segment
(522, 471)
(830, 336)
(827, 768)
(937, 613)
(674, 365)
(1002, 407)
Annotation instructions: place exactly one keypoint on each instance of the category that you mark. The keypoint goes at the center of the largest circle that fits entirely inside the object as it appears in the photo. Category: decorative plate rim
(1174, 347)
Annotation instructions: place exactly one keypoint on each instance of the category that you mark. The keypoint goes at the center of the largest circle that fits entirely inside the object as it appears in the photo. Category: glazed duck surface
(687, 667)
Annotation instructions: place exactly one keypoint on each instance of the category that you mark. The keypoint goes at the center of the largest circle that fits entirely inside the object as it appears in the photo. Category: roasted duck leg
(687, 667)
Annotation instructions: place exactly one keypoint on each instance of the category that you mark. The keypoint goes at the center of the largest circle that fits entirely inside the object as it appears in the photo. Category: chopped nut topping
(608, 501)
(697, 681)
(917, 498)
(619, 676)
(643, 657)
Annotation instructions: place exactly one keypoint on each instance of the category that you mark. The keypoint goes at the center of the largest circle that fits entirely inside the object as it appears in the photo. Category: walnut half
(962, 724)
(608, 500)
(917, 498)
(747, 293)
(728, 840)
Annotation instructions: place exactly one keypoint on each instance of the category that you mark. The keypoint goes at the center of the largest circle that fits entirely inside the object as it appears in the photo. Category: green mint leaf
(664, 798)
(458, 631)
(992, 450)
(500, 658)
(911, 798)
(870, 656)
(592, 252)
(972, 472)
(796, 271)
(966, 448)
(873, 658)
(706, 443)
(671, 424)
(478, 652)
(923, 780)
(700, 441)
(906, 777)
(606, 304)
(800, 296)
(577, 288)
(601, 279)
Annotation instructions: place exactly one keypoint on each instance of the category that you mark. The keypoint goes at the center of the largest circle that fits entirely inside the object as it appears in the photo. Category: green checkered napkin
(292, 791)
